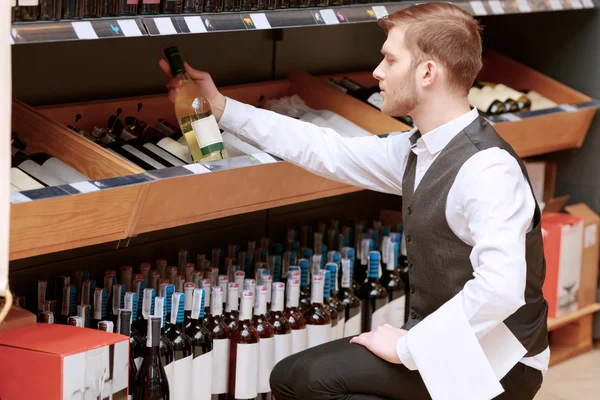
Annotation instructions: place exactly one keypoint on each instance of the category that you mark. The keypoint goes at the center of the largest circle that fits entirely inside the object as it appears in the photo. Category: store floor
(575, 379)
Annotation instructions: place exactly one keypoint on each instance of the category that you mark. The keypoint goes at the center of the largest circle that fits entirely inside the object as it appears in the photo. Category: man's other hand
(382, 342)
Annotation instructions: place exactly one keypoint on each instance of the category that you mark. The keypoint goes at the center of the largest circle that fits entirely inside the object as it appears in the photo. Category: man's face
(396, 76)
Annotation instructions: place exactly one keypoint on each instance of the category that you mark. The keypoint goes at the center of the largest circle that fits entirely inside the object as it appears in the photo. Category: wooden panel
(42, 134)
(50, 225)
(571, 340)
(555, 323)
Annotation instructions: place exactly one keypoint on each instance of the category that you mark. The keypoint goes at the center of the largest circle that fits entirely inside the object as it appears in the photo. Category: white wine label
(588, 3)
(496, 7)
(299, 340)
(170, 371)
(376, 100)
(176, 148)
(147, 159)
(380, 11)
(182, 385)
(246, 371)
(84, 30)
(163, 154)
(195, 24)
(266, 357)
(380, 316)
(202, 376)
(264, 158)
(165, 26)
(129, 27)
(478, 8)
(524, 6)
(353, 326)
(260, 21)
(138, 362)
(220, 366)
(329, 17)
(84, 187)
(340, 328)
(283, 347)
(40, 173)
(317, 334)
(576, 4)
(207, 131)
(23, 181)
(397, 310)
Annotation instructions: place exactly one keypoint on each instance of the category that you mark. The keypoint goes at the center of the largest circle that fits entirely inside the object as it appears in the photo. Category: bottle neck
(183, 76)
(246, 309)
(317, 292)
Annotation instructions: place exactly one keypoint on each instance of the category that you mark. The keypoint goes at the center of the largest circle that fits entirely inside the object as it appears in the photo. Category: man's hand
(209, 90)
(382, 342)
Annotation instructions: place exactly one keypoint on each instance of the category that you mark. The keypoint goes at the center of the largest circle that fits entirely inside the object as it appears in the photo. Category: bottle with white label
(42, 174)
(220, 334)
(223, 282)
(152, 379)
(118, 299)
(294, 316)
(326, 296)
(181, 386)
(334, 302)
(206, 285)
(166, 291)
(394, 285)
(147, 299)
(100, 296)
(231, 316)
(188, 290)
(266, 346)
(202, 348)
(352, 303)
(124, 328)
(136, 341)
(281, 326)
(244, 354)
(375, 310)
(304, 285)
(318, 321)
(267, 281)
(194, 114)
(360, 273)
(167, 355)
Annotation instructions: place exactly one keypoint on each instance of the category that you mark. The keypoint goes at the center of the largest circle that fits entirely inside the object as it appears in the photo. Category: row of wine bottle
(31, 10)
(495, 98)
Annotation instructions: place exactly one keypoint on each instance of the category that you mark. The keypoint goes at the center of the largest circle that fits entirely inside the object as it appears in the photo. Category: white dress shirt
(490, 206)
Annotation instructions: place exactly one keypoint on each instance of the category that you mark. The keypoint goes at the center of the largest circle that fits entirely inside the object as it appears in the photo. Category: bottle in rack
(281, 326)
(194, 115)
(72, 9)
(149, 7)
(266, 346)
(304, 285)
(220, 334)
(231, 316)
(181, 385)
(193, 6)
(188, 288)
(353, 325)
(50, 10)
(171, 6)
(326, 302)
(318, 321)
(167, 355)
(334, 302)
(69, 303)
(21, 161)
(100, 299)
(394, 285)
(202, 347)
(128, 8)
(136, 341)
(375, 311)
(151, 382)
(243, 355)
(124, 328)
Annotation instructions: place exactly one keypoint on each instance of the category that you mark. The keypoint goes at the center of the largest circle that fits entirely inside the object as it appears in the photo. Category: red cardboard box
(563, 249)
(59, 362)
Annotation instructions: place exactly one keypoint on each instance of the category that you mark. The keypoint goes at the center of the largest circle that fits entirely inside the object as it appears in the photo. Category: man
(477, 323)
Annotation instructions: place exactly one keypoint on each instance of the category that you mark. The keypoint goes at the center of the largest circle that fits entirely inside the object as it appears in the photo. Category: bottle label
(246, 371)
(376, 100)
(318, 334)
(40, 173)
(346, 273)
(63, 171)
(182, 385)
(207, 132)
(266, 358)
(23, 181)
(202, 376)
(170, 372)
(397, 310)
(148, 160)
(163, 154)
(179, 150)
(283, 347)
(220, 366)
(299, 340)
(380, 316)
(353, 326)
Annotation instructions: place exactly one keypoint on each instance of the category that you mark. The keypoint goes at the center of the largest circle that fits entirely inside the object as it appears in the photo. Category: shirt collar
(435, 140)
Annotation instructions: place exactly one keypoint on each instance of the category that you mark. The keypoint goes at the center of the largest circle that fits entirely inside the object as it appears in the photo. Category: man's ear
(429, 73)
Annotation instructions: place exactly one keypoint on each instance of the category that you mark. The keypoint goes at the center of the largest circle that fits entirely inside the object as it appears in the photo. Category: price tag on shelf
(380, 11)
(264, 158)
(165, 26)
(576, 4)
(524, 6)
(84, 187)
(16, 197)
(196, 168)
(556, 5)
(567, 108)
(195, 24)
(329, 17)
(129, 27)
(510, 117)
(260, 21)
(84, 30)
(478, 8)
(588, 3)
(496, 7)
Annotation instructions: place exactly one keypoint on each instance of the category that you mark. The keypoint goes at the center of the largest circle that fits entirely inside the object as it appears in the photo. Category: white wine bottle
(194, 114)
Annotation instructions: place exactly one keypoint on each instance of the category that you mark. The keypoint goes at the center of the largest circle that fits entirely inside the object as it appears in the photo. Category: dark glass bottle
(220, 334)
(171, 6)
(100, 297)
(118, 299)
(50, 10)
(394, 285)
(27, 12)
(151, 382)
(149, 7)
(69, 303)
(304, 285)
(318, 321)
(328, 308)
(128, 8)
(267, 341)
(231, 316)
(72, 9)
(353, 325)
(136, 340)
(282, 327)
(202, 348)
(182, 349)
(188, 289)
(334, 302)
(193, 6)
(124, 328)
(167, 355)
(244, 351)
(374, 297)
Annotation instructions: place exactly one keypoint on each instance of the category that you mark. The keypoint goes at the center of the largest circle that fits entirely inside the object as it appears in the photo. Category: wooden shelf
(555, 323)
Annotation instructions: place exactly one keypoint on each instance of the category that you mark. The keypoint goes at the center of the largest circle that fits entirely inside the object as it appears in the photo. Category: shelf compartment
(530, 133)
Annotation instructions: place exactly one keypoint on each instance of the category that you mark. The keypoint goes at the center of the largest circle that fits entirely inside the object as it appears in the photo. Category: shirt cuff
(234, 115)
(404, 353)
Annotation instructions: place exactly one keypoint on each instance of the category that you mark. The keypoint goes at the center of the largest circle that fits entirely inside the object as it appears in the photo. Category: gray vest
(438, 260)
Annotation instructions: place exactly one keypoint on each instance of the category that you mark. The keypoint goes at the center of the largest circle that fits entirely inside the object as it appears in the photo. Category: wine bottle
(231, 316)
(334, 302)
(223, 282)
(124, 328)
(46, 317)
(100, 301)
(394, 285)
(375, 311)
(304, 288)
(72, 9)
(21, 161)
(167, 355)
(77, 321)
(128, 8)
(118, 299)
(353, 325)
(50, 10)
(318, 321)
(267, 342)
(188, 288)
(28, 10)
(42, 293)
(166, 291)
(92, 8)
(84, 311)
(281, 326)
(58, 168)
(194, 115)
(110, 280)
(326, 305)
(80, 276)
(206, 285)
(244, 354)
(149, 7)
(202, 347)
(23, 181)
(106, 326)
(151, 382)
(171, 6)
(485, 101)
(239, 279)
(136, 341)
(192, 6)
(181, 385)
(220, 334)
(295, 316)
(267, 281)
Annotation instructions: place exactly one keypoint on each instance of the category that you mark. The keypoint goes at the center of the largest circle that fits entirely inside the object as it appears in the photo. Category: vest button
(413, 315)
(412, 288)
(408, 238)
